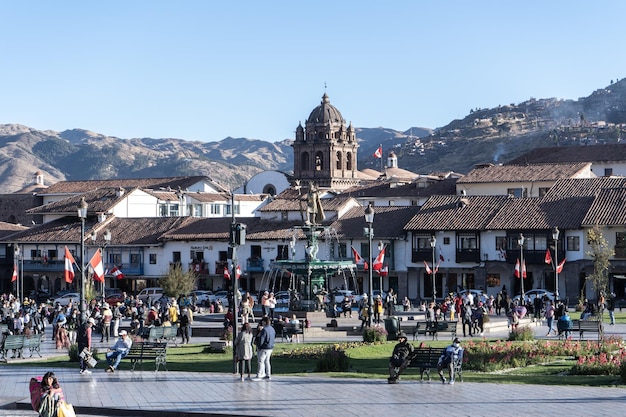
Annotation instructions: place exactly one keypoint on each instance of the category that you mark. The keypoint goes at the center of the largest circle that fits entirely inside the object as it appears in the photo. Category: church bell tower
(325, 150)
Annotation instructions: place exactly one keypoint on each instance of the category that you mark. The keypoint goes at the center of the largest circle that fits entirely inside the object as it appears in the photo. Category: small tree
(601, 254)
(177, 281)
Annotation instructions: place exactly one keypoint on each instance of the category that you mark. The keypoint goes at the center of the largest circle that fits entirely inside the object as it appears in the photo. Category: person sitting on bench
(119, 350)
(400, 358)
(447, 360)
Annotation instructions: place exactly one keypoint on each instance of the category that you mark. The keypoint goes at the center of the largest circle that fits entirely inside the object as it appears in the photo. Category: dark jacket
(266, 337)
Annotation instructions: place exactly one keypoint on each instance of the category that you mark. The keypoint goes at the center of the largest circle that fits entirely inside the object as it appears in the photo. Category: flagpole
(555, 236)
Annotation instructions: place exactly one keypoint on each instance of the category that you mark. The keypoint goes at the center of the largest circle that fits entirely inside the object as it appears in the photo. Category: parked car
(282, 297)
(202, 297)
(222, 296)
(150, 295)
(114, 298)
(65, 299)
(478, 295)
(383, 294)
(529, 296)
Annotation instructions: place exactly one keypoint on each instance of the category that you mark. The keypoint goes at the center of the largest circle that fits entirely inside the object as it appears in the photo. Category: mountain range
(492, 135)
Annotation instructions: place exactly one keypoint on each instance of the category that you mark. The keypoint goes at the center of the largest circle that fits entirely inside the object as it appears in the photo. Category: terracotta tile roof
(124, 231)
(608, 208)
(100, 201)
(388, 223)
(517, 173)
(449, 212)
(520, 213)
(7, 229)
(74, 187)
(593, 153)
(582, 187)
(291, 200)
(384, 189)
(219, 229)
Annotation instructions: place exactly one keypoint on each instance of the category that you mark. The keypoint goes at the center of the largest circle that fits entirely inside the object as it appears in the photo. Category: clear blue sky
(205, 70)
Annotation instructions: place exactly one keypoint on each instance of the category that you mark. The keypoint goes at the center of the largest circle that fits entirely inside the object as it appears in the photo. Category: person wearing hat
(118, 351)
(84, 342)
(364, 311)
(400, 358)
(450, 358)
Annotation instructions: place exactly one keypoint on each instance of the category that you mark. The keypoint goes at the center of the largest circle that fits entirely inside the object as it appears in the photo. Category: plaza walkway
(148, 393)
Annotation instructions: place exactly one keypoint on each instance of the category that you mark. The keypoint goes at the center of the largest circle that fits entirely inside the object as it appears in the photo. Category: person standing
(117, 316)
(466, 316)
(364, 312)
(265, 347)
(378, 308)
(107, 319)
(549, 314)
(390, 302)
(186, 320)
(244, 350)
(610, 306)
(84, 342)
(271, 303)
(265, 304)
(118, 351)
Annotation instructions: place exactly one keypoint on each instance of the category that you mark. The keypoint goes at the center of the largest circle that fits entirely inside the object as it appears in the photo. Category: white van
(149, 295)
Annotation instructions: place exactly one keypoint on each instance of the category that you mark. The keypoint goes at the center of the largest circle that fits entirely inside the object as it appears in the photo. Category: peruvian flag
(226, 273)
(117, 273)
(379, 152)
(96, 266)
(384, 271)
(428, 270)
(69, 269)
(358, 259)
(377, 265)
(237, 272)
(548, 259)
(437, 267)
(14, 276)
(559, 267)
(516, 272)
(524, 269)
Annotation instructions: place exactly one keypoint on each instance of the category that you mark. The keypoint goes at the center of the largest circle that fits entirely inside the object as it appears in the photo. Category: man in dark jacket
(400, 358)
(265, 346)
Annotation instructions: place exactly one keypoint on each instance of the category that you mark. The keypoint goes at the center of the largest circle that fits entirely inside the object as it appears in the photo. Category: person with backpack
(448, 359)
(84, 342)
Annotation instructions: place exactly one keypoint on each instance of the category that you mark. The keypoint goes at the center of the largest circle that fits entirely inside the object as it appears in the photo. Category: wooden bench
(289, 331)
(155, 333)
(434, 328)
(427, 358)
(163, 333)
(170, 334)
(33, 344)
(148, 351)
(14, 343)
(588, 326)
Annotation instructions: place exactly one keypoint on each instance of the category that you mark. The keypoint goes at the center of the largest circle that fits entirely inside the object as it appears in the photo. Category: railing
(254, 265)
(199, 267)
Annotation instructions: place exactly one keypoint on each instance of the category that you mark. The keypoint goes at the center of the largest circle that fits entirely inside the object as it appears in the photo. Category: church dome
(325, 113)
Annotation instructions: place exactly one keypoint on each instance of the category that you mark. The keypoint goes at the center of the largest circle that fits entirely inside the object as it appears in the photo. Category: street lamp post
(369, 219)
(19, 286)
(82, 213)
(555, 237)
(522, 268)
(433, 244)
